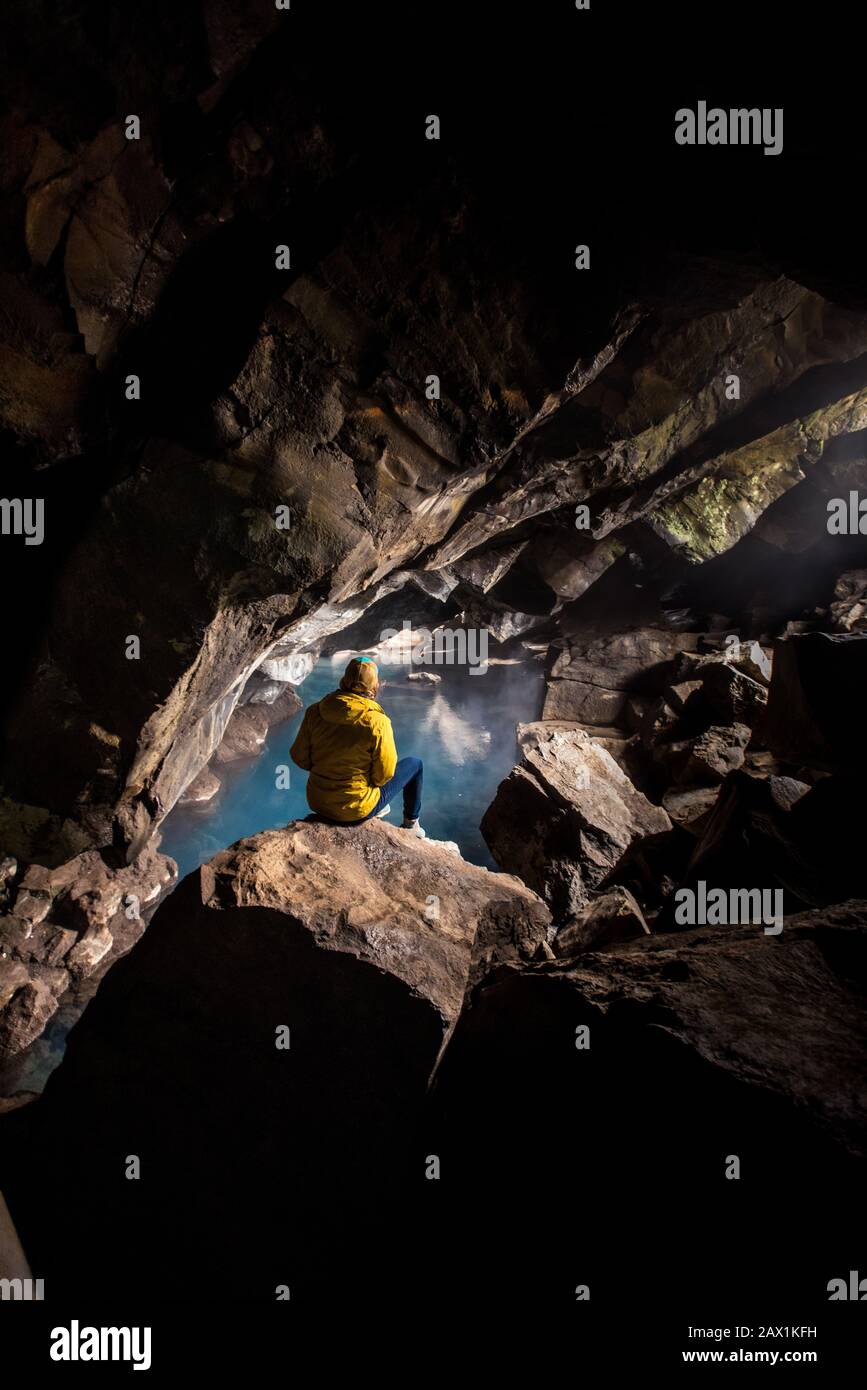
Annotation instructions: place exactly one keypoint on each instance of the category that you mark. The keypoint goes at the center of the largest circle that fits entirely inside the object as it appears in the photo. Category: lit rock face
(67, 925)
(610, 918)
(592, 678)
(566, 816)
(408, 906)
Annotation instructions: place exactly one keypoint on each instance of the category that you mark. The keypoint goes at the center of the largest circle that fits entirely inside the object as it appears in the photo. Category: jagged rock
(294, 668)
(636, 660)
(609, 737)
(410, 907)
(485, 569)
(612, 917)
(690, 807)
(778, 833)
(45, 377)
(312, 974)
(583, 703)
(67, 923)
(762, 763)
(261, 691)
(592, 680)
(658, 722)
(817, 696)
(286, 706)
(750, 657)
(497, 619)
(570, 563)
(710, 515)
(245, 733)
(711, 756)
(202, 789)
(31, 907)
(586, 440)
(757, 1030)
(9, 1103)
(849, 605)
(565, 817)
(28, 999)
(731, 694)
(8, 873)
(679, 695)
(436, 584)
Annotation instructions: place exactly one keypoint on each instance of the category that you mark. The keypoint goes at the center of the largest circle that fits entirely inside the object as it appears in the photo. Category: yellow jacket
(346, 743)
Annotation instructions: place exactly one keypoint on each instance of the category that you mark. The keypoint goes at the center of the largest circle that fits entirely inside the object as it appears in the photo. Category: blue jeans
(408, 777)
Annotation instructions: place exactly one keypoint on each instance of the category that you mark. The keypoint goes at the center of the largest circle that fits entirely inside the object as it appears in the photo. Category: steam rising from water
(462, 728)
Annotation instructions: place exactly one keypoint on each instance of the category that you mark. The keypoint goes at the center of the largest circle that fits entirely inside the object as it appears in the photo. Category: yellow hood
(346, 743)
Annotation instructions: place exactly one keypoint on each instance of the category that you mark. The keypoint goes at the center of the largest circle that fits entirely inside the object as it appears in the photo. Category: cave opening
(463, 728)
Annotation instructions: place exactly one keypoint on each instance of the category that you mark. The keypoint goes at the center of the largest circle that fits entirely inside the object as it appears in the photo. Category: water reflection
(463, 728)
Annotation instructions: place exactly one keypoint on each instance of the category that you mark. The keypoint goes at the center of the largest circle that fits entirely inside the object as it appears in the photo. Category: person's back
(346, 743)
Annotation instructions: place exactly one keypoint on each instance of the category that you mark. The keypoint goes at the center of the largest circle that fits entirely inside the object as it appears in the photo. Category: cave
(291, 376)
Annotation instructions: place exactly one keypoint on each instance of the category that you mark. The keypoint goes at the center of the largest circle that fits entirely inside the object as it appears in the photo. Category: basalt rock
(612, 917)
(202, 789)
(750, 657)
(729, 694)
(283, 1013)
(766, 1036)
(593, 679)
(248, 727)
(817, 694)
(66, 925)
(849, 605)
(566, 816)
(711, 756)
(690, 807)
(245, 734)
(776, 832)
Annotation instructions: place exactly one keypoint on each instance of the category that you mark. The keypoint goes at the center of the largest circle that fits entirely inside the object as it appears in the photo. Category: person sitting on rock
(346, 743)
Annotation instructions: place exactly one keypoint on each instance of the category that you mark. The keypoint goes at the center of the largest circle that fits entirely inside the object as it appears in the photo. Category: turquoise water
(463, 729)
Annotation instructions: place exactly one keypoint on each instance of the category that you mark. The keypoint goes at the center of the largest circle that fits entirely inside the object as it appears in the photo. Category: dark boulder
(817, 698)
(264, 1052)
